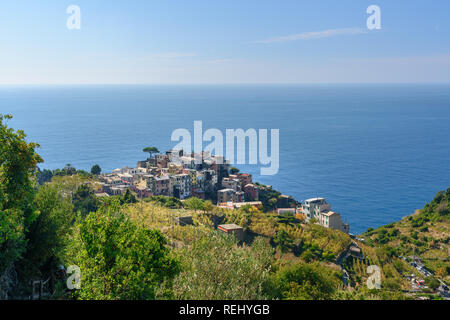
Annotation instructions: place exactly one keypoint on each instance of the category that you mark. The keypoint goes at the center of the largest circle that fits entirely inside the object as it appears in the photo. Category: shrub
(119, 259)
(432, 282)
(305, 282)
(214, 267)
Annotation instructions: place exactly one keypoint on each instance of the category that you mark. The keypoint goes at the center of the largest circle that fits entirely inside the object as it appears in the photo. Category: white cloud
(314, 35)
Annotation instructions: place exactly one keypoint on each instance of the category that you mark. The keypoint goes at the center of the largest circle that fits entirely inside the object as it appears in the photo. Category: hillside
(280, 257)
(295, 244)
(422, 238)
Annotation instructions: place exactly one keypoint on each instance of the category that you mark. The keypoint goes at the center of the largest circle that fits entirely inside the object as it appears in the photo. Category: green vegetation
(305, 282)
(168, 202)
(128, 197)
(45, 234)
(130, 249)
(96, 170)
(215, 267)
(234, 170)
(151, 151)
(18, 160)
(194, 203)
(424, 234)
(118, 258)
(283, 241)
(46, 175)
(84, 200)
(273, 199)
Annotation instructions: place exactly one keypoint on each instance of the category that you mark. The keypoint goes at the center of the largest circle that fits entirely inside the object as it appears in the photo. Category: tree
(84, 200)
(308, 255)
(44, 176)
(273, 203)
(96, 170)
(194, 203)
(47, 234)
(18, 161)
(208, 206)
(118, 258)
(283, 241)
(234, 170)
(128, 197)
(151, 150)
(432, 282)
(68, 170)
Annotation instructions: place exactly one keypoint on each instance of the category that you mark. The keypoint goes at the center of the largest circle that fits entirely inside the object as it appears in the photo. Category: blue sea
(376, 152)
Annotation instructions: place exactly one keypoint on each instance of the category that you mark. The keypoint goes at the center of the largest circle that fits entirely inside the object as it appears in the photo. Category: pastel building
(319, 209)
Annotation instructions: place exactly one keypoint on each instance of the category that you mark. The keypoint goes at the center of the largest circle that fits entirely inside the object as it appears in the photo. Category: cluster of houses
(183, 175)
(205, 176)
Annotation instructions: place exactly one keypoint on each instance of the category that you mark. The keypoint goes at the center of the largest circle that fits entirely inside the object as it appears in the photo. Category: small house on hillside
(233, 229)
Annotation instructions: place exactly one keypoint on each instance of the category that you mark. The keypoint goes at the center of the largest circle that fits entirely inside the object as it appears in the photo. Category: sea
(376, 152)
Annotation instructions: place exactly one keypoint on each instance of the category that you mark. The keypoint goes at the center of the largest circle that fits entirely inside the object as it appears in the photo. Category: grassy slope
(426, 234)
(310, 242)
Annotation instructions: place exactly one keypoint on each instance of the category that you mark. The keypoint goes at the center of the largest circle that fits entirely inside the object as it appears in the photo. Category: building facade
(320, 210)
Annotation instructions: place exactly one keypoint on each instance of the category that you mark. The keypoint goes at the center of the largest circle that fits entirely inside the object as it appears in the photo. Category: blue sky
(246, 41)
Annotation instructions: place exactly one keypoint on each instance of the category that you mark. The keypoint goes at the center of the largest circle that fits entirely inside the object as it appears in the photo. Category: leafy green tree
(234, 170)
(208, 206)
(194, 203)
(283, 241)
(119, 259)
(272, 203)
(48, 233)
(68, 170)
(128, 197)
(150, 150)
(308, 255)
(18, 161)
(432, 282)
(84, 200)
(96, 170)
(44, 176)
(239, 217)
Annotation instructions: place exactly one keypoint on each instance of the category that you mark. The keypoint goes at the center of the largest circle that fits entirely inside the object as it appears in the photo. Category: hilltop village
(210, 177)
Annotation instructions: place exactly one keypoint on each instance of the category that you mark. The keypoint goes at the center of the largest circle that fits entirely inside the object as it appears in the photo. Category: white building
(320, 210)
(333, 220)
(312, 207)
